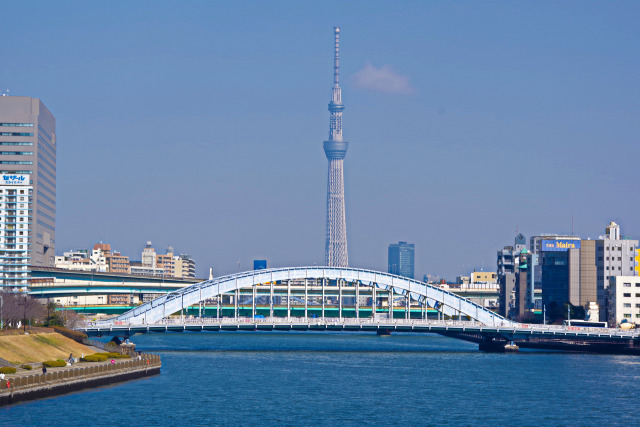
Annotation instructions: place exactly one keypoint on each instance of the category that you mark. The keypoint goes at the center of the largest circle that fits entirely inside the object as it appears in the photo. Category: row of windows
(16, 153)
(628, 285)
(44, 205)
(43, 150)
(44, 178)
(18, 125)
(613, 248)
(18, 172)
(42, 168)
(627, 295)
(628, 305)
(53, 193)
(46, 144)
(16, 134)
(41, 157)
(46, 216)
(9, 162)
(15, 143)
(46, 225)
(46, 198)
(45, 133)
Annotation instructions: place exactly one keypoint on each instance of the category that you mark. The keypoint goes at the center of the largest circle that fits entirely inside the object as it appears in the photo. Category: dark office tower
(401, 259)
(28, 148)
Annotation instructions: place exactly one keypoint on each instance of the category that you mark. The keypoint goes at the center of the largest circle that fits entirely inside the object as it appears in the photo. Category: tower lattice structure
(336, 149)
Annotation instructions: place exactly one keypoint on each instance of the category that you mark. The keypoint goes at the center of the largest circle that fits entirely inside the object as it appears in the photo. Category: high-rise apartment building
(615, 256)
(185, 267)
(16, 195)
(401, 259)
(28, 147)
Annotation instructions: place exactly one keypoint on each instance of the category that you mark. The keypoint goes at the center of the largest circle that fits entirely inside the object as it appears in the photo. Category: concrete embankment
(18, 388)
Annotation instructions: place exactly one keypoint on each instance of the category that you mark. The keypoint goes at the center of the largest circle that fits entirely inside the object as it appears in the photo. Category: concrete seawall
(27, 387)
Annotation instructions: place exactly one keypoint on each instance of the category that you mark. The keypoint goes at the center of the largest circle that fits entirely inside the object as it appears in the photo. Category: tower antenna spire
(336, 57)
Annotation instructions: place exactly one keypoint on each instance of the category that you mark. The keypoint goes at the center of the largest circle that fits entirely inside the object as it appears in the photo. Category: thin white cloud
(382, 79)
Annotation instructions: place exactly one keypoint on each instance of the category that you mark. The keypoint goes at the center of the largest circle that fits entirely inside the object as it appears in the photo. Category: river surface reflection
(273, 378)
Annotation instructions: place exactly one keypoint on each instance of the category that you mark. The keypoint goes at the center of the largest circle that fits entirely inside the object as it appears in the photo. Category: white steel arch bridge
(312, 292)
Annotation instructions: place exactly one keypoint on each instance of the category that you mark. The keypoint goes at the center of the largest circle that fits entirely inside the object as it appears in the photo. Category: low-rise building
(624, 300)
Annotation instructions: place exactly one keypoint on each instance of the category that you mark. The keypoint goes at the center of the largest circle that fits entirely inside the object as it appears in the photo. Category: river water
(333, 379)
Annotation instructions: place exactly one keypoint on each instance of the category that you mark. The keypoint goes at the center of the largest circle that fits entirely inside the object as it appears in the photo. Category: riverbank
(21, 387)
(38, 347)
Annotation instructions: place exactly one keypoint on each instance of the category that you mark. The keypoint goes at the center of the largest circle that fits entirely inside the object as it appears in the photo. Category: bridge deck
(363, 325)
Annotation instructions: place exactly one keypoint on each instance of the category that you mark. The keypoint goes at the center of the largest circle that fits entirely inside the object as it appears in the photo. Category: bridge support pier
(324, 281)
(340, 299)
(357, 300)
(373, 301)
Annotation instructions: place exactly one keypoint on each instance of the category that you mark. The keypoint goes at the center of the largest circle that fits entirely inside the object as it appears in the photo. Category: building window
(15, 134)
(627, 315)
(627, 305)
(626, 295)
(627, 285)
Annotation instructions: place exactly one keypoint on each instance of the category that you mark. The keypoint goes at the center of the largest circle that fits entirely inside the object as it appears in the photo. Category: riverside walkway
(25, 385)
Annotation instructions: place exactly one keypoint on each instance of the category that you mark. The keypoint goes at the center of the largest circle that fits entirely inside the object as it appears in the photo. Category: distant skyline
(199, 125)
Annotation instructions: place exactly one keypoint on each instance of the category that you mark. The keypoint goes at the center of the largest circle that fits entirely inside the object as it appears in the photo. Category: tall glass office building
(28, 148)
(402, 259)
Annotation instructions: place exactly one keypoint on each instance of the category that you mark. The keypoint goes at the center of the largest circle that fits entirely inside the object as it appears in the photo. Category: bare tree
(72, 319)
(18, 307)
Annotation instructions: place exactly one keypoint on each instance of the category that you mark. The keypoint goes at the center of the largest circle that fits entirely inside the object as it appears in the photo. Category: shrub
(70, 333)
(114, 355)
(94, 358)
(54, 363)
(27, 367)
(7, 370)
(54, 320)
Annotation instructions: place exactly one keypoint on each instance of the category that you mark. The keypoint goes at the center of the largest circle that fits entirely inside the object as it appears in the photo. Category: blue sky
(200, 124)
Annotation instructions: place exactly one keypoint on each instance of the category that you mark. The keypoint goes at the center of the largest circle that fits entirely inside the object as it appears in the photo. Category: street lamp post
(1, 313)
(24, 316)
(544, 314)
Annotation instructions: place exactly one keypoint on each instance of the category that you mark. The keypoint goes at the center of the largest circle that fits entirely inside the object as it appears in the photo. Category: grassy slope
(39, 347)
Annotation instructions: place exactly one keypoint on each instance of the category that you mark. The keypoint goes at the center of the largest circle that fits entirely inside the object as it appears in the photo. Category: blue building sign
(559, 245)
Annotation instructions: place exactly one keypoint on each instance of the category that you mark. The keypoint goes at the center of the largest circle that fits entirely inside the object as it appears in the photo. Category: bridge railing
(193, 321)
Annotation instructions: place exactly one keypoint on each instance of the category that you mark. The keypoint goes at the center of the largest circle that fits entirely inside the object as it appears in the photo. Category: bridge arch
(447, 303)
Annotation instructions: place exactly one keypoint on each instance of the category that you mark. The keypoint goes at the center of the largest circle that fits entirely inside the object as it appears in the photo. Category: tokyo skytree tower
(336, 149)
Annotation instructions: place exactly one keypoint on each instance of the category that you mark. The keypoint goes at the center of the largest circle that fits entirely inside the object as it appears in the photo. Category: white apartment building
(624, 300)
(16, 225)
